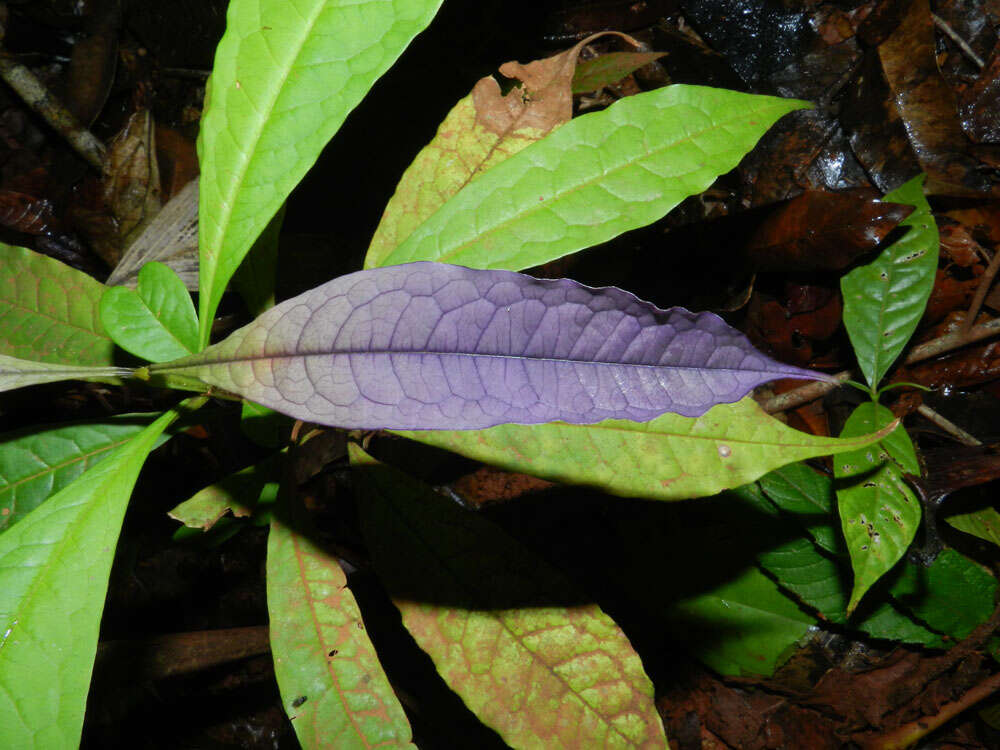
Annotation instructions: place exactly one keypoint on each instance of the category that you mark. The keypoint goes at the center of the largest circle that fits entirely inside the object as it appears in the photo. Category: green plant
(281, 87)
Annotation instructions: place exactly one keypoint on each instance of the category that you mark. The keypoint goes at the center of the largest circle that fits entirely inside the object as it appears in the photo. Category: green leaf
(668, 458)
(879, 512)
(482, 130)
(156, 320)
(725, 611)
(264, 426)
(984, 524)
(37, 464)
(595, 177)
(286, 76)
(884, 300)
(528, 655)
(54, 568)
(808, 495)
(48, 311)
(814, 576)
(255, 278)
(18, 373)
(763, 625)
(237, 493)
(602, 71)
(332, 685)
(953, 595)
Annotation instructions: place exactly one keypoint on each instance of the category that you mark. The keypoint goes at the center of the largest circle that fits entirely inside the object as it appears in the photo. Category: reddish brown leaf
(927, 106)
(821, 231)
(979, 104)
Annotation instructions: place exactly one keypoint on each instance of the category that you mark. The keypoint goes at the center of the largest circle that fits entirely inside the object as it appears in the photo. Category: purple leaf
(433, 346)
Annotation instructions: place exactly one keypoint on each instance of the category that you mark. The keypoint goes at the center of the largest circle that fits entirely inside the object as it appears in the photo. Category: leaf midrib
(252, 135)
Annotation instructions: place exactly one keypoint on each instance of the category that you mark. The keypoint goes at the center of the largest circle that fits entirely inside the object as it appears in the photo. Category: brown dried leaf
(132, 178)
(928, 108)
(821, 231)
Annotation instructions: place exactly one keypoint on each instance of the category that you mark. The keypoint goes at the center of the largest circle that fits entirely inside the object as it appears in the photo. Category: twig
(909, 734)
(948, 426)
(932, 348)
(962, 44)
(36, 96)
(981, 291)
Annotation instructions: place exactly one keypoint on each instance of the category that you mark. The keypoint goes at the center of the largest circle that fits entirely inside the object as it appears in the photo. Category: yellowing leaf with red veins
(482, 130)
(529, 655)
(332, 685)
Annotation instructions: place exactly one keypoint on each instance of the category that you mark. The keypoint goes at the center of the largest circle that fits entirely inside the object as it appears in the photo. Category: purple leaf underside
(435, 346)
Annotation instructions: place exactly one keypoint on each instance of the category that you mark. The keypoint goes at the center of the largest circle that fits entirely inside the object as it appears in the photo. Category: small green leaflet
(884, 300)
(605, 70)
(984, 524)
(156, 320)
(879, 512)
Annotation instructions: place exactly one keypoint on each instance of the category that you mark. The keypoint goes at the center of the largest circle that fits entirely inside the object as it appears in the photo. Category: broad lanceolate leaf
(286, 75)
(156, 320)
(35, 465)
(432, 346)
(332, 685)
(595, 177)
(669, 458)
(18, 373)
(54, 568)
(878, 510)
(884, 300)
(482, 130)
(529, 656)
(48, 311)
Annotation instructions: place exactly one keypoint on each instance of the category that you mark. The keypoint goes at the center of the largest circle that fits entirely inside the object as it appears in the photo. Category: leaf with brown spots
(531, 658)
(332, 685)
(878, 510)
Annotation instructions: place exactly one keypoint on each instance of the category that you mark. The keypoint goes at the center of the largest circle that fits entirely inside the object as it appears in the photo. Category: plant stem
(932, 348)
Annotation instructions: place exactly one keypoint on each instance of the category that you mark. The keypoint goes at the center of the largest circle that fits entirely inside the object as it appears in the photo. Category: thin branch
(36, 96)
(909, 734)
(961, 43)
(932, 348)
(985, 282)
(948, 426)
